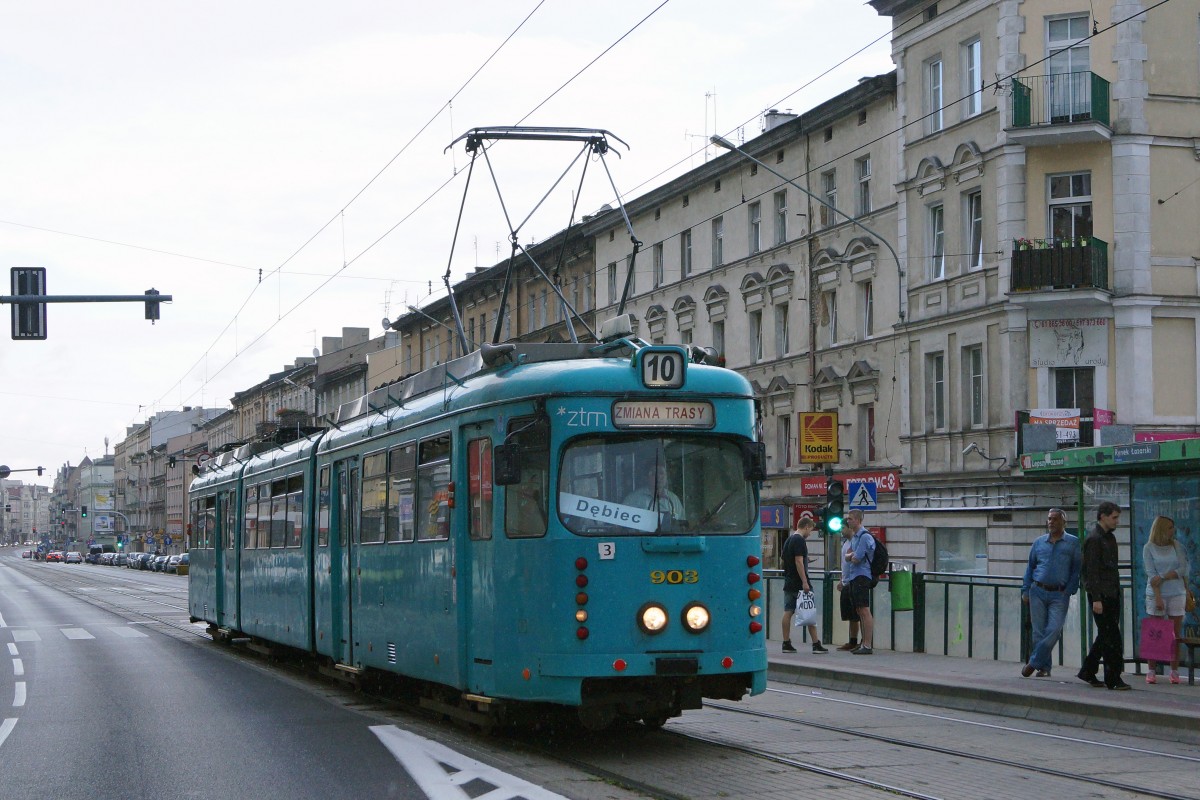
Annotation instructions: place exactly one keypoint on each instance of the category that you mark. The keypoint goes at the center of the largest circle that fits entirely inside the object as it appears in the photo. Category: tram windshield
(636, 485)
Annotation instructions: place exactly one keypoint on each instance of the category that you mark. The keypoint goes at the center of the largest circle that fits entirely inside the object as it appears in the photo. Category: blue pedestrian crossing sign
(863, 495)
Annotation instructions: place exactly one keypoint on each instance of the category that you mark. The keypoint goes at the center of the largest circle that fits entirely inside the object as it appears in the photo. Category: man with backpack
(857, 578)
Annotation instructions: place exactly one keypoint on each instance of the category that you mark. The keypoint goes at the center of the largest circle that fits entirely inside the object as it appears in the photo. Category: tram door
(218, 539)
(477, 615)
(341, 584)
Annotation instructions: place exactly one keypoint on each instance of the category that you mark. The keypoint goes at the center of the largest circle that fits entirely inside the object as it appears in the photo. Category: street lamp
(728, 145)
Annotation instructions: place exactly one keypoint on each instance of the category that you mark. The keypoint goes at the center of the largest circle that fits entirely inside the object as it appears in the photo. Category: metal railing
(1061, 99)
(1067, 263)
(968, 616)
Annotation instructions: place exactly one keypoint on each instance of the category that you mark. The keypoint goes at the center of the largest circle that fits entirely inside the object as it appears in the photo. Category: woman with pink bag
(1166, 585)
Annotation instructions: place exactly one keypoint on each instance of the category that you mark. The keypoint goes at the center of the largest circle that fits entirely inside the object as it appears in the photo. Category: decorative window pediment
(779, 394)
(862, 254)
(753, 291)
(685, 312)
(931, 176)
(826, 266)
(780, 278)
(656, 320)
(716, 299)
(864, 381)
(968, 162)
(828, 387)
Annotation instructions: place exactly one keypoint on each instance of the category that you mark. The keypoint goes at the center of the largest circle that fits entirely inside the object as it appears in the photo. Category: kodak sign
(818, 437)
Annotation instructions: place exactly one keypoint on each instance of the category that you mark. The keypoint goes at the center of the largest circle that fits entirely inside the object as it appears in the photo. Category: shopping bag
(806, 610)
(1157, 642)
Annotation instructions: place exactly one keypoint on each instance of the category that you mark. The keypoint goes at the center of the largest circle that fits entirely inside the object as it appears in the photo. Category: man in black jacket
(1102, 580)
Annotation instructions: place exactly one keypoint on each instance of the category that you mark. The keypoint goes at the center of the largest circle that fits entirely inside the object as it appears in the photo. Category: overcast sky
(191, 147)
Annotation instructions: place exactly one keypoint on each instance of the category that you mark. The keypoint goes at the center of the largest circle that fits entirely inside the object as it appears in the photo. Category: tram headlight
(652, 618)
(695, 618)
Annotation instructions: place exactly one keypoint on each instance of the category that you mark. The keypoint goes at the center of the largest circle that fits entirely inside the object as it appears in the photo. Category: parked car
(120, 560)
(159, 564)
(172, 561)
(182, 567)
(27, 554)
(106, 559)
(138, 560)
(73, 557)
(54, 555)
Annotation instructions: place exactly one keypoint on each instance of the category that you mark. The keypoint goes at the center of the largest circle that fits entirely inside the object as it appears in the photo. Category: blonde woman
(1166, 585)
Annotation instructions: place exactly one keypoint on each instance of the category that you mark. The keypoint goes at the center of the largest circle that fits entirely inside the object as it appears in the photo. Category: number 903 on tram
(531, 526)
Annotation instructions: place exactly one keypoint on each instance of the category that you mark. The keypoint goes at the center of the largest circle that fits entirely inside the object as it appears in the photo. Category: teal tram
(569, 524)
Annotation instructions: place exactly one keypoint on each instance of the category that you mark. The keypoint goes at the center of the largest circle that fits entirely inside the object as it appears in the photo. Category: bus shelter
(1164, 479)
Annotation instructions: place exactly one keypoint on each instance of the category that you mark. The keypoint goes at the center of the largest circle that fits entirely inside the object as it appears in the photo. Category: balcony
(1075, 263)
(1068, 108)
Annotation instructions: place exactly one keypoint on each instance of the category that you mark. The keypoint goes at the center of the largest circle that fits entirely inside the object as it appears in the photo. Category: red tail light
(752, 561)
(755, 627)
(753, 578)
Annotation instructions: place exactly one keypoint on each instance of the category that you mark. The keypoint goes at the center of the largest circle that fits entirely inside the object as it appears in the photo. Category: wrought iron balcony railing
(1076, 263)
(1061, 99)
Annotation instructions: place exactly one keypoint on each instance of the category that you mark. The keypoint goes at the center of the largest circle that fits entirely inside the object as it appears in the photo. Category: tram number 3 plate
(607, 550)
(674, 576)
(662, 369)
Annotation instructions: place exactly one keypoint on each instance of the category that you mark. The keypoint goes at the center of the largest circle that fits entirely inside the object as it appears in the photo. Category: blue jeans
(1048, 614)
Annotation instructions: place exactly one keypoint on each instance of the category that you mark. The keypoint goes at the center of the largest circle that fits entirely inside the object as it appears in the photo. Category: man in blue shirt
(1051, 577)
(856, 577)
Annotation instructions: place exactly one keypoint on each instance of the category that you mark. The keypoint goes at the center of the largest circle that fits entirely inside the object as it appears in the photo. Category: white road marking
(129, 633)
(3, 624)
(25, 635)
(18, 667)
(76, 633)
(441, 772)
(12, 649)
(19, 694)
(6, 728)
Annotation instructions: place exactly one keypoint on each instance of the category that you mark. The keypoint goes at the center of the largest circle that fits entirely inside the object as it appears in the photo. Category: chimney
(774, 118)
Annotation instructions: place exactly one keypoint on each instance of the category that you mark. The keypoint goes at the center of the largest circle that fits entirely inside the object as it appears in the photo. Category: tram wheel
(597, 717)
(655, 721)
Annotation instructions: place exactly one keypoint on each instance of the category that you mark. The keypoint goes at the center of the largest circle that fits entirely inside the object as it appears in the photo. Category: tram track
(1022, 766)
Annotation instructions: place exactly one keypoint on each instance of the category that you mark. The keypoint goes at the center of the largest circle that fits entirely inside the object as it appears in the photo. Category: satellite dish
(387, 324)
(316, 352)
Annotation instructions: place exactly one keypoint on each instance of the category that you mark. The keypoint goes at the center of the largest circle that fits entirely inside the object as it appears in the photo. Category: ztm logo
(819, 427)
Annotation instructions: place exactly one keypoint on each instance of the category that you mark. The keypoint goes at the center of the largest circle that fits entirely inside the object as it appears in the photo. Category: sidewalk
(1162, 711)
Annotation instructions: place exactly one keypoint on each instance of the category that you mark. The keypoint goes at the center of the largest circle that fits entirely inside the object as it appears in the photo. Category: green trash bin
(900, 584)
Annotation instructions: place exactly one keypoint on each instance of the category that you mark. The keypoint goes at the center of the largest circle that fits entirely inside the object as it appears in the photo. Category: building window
(829, 194)
(718, 241)
(831, 316)
(1075, 387)
(1066, 44)
(587, 292)
(972, 78)
(961, 550)
(1070, 205)
(686, 200)
(935, 391)
(629, 270)
(780, 217)
(718, 337)
(783, 440)
(779, 157)
(972, 371)
(937, 242)
(755, 213)
(866, 294)
(658, 264)
(933, 95)
(866, 432)
(756, 347)
(685, 252)
(612, 282)
(974, 237)
(829, 134)
(862, 168)
(717, 185)
(781, 330)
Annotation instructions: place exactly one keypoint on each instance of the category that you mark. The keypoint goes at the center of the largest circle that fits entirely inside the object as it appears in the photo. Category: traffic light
(152, 305)
(83, 512)
(120, 544)
(833, 514)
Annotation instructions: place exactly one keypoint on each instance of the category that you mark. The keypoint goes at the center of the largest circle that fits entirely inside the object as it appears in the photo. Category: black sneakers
(819, 648)
(787, 646)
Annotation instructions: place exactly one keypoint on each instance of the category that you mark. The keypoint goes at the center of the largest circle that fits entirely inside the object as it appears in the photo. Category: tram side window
(323, 509)
(210, 523)
(374, 499)
(525, 502)
(251, 517)
(295, 510)
(230, 505)
(479, 485)
(197, 512)
(279, 520)
(433, 488)
(402, 473)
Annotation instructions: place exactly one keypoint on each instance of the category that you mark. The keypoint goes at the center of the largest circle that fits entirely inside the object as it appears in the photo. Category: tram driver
(652, 492)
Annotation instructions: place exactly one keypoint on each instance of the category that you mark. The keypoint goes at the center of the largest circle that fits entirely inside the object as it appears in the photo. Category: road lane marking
(129, 633)
(76, 633)
(19, 694)
(12, 649)
(18, 668)
(25, 635)
(3, 624)
(6, 728)
(441, 772)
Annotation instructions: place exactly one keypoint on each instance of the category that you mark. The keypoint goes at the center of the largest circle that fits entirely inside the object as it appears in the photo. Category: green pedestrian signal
(83, 512)
(833, 514)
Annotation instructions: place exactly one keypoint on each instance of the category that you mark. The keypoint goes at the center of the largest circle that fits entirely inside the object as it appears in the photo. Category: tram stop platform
(1161, 711)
